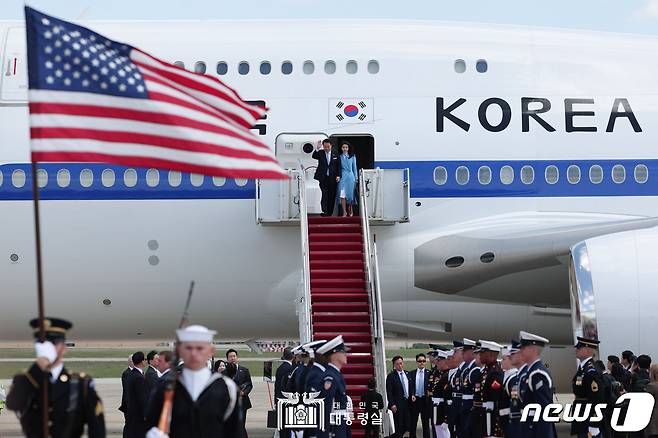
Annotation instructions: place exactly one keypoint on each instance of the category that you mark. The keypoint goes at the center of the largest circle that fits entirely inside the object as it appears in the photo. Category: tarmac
(110, 392)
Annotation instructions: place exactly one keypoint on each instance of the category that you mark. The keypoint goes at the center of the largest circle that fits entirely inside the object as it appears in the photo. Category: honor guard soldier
(440, 388)
(476, 416)
(300, 361)
(72, 399)
(587, 385)
(334, 390)
(510, 406)
(205, 404)
(536, 385)
(491, 390)
(455, 386)
(313, 379)
(467, 389)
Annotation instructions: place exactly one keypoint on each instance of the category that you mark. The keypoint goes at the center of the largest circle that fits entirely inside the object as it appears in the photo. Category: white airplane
(521, 143)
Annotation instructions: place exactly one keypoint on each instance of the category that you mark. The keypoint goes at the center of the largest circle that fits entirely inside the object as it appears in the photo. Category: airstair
(340, 290)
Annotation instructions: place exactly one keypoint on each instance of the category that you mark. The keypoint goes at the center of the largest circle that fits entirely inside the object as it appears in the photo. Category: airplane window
(222, 68)
(460, 66)
(218, 181)
(265, 68)
(641, 174)
(200, 67)
(180, 64)
(196, 180)
(373, 67)
(42, 178)
(506, 175)
(462, 175)
(440, 175)
(174, 178)
(481, 66)
(240, 182)
(351, 67)
(243, 68)
(63, 178)
(286, 67)
(527, 174)
(618, 173)
(330, 67)
(596, 174)
(552, 174)
(108, 178)
(484, 175)
(152, 177)
(86, 178)
(573, 174)
(308, 67)
(130, 177)
(18, 178)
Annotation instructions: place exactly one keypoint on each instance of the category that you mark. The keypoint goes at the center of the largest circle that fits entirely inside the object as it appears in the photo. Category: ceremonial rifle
(170, 384)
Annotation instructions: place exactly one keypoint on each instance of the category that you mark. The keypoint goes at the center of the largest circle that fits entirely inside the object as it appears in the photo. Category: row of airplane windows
(551, 174)
(265, 67)
(108, 178)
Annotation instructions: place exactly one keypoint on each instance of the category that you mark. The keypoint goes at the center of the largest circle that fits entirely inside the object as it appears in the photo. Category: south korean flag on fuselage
(351, 110)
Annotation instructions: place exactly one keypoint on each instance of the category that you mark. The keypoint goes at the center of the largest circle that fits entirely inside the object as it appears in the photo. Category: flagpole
(42, 328)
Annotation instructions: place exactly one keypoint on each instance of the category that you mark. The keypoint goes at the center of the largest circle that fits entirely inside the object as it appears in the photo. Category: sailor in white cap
(440, 388)
(535, 385)
(510, 407)
(301, 359)
(454, 378)
(334, 389)
(464, 424)
(204, 404)
(492, 389)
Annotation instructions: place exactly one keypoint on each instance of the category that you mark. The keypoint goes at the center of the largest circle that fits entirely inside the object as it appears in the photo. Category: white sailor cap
(443, 354)
(489, 346)
(531, 339)
(311, 347)
(450, 352)
(298, 349)
(333, 346)
(195, 333)
(469, 344)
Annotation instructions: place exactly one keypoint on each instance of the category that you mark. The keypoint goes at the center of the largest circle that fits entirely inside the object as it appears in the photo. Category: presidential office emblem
(305, 412)
(351, 110)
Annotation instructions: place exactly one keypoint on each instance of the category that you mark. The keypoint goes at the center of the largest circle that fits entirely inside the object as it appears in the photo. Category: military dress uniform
(587, 384)
(72, 399)
(492, 394)
(475, 416)
(536, 387)
(454, 405)
(313, 382)
(334, 393)
(515, 403)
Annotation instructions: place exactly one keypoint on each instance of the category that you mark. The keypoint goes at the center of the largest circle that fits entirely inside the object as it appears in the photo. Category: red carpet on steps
(339, 298)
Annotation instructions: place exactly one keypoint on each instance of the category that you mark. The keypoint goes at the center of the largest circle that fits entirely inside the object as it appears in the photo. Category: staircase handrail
(304, 304)
(374, 291)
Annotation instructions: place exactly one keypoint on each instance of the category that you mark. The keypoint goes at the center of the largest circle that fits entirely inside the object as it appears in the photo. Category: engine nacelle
(614, 291)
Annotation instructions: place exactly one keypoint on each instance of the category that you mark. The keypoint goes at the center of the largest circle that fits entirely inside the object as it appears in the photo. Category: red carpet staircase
(339, 297)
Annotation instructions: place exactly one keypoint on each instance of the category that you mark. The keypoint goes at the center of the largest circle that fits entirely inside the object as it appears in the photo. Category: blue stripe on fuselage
(422, 184)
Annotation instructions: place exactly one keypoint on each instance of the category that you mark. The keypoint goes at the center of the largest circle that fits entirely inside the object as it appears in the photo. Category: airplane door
(294, 150)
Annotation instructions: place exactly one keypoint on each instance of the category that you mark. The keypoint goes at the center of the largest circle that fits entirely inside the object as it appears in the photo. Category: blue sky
(631, 16)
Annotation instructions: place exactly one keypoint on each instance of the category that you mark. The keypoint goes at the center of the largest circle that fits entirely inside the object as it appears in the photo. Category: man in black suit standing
(328, 174)
(397, 393)
(243, 380)
(124, 392)
(151, 374)
(136, 399)
(281, 378)
(420, 404)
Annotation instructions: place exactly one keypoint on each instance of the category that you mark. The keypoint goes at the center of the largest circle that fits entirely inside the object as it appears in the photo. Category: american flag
(97, 100)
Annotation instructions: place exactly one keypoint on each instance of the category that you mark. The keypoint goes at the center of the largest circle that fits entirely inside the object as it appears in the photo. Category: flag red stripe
(142, 116)
(186, 82)
(146, 139)
(147, 162)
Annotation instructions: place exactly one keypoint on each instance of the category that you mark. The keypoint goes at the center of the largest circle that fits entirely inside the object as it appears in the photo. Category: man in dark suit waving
(419, 402)
(243, 380)
(328, 174)
(397, 393)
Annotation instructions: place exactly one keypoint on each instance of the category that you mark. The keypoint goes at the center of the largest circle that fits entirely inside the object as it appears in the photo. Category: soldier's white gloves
(594, 431)
(156, 433)
(46, 350)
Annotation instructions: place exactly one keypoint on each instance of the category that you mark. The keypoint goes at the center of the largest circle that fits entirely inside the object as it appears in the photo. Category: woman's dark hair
(215, 367)
(350, 150)
(617, 372)
(231, 370)
(372, 383)
(599, 365)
